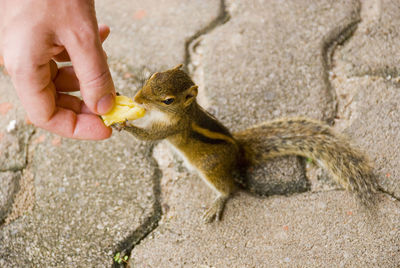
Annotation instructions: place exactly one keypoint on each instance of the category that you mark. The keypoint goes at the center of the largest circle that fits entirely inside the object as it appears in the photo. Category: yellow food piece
(124, 109)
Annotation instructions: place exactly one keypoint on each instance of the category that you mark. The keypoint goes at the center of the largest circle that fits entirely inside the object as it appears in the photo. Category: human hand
(34, 33)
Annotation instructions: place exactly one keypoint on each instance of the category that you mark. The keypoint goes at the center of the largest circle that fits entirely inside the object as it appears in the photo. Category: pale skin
(36, 33)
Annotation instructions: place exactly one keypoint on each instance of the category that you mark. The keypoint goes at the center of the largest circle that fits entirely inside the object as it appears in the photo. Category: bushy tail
(313, 139)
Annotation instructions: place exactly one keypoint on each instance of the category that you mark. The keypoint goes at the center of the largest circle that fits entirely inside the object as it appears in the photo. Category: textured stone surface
(14, 133)
(10, 107)
(271, 59)
(89, 197)
(153, 33)
(9, 185)
(377, 34)
(268, 59)
(304, 230)
(368, 89)
(372, 120)
(14, 139)
(13, 146)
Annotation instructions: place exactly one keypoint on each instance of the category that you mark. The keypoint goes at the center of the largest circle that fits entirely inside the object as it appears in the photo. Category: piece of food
(124, 109)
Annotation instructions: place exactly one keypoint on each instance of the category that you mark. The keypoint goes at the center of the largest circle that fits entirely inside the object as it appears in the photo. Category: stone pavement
(66, 203)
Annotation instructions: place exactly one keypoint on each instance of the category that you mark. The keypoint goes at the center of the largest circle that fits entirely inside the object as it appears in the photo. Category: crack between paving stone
(151, 223)
(28, 145)
(389, 194)
(221, 19)
(392, 195)
(21, 170)
(337, 36)
(387, 74)
(10, 201)
(24, 166)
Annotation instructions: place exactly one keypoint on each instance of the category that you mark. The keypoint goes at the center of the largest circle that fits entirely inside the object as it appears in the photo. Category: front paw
(119, 126)
(216, 210)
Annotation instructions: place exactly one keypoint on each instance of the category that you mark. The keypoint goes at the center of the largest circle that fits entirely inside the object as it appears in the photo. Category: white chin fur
(151, 117)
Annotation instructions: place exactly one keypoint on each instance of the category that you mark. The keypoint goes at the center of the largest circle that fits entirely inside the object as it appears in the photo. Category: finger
(72, 103)
(96, 85)
(85, 109)
(53, 69)
(66, 123)
(69, 102)
(42, 111)
(62, 57)
(35, 90)
(90, 126)
(66, 80)
(104, 31)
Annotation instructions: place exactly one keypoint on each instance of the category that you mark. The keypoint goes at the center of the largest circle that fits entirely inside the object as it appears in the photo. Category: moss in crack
(125, 247)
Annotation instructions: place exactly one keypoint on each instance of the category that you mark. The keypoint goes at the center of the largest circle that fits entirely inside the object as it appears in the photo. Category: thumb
(90, 66)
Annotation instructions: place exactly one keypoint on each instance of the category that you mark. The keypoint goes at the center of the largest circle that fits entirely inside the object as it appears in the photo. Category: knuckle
(11, 67)
(97, 80)
(39, 121)
(84, 35)
(19, 63)
(17, 52)
(12, 64)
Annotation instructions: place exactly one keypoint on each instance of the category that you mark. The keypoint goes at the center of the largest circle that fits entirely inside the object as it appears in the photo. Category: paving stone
(13, 145)
(377, 34)
(9, 185)
(90, 196)
(324, 229)
(153, 33)
(308, 230)
(86, 202)
(267, 61)
(14, 132)
(372, 120)
(10, 107)
(368, 91)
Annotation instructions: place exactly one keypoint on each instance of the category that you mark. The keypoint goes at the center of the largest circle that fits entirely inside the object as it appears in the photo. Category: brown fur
(219, 156)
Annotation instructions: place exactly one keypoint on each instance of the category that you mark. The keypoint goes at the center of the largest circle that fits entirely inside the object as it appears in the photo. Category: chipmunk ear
(190, 95)
(152, 76)
(177, 67)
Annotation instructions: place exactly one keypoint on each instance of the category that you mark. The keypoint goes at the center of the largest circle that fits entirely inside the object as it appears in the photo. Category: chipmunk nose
(138, 98)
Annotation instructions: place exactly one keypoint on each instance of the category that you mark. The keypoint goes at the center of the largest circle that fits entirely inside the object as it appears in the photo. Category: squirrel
(222, 158)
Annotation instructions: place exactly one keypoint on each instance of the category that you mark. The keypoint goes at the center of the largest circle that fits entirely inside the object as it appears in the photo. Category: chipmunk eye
(168, 101)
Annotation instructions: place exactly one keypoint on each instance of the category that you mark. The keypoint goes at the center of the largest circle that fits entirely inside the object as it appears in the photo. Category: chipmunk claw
(216, 210)
(119, 126)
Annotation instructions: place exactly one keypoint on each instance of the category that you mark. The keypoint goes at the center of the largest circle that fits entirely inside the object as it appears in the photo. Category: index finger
(84, 48)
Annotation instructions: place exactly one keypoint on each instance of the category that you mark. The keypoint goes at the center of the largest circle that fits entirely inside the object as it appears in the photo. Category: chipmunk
(222, 158)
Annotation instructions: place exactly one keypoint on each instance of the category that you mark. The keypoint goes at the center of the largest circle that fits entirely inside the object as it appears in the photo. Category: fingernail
(105, 104)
